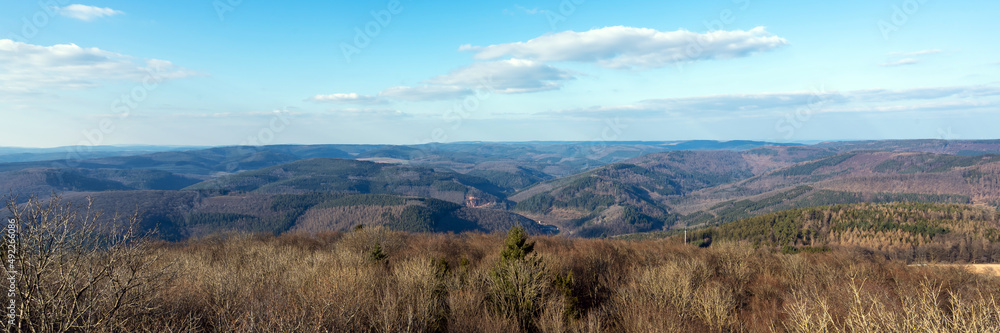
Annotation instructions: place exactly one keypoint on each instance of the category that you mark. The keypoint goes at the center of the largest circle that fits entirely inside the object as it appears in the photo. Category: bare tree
(77, 269)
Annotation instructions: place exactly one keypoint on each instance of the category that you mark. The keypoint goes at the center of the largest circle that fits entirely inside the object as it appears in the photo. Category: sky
(251, 72)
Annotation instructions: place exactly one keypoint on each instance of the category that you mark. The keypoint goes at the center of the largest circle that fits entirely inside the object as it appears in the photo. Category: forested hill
(327, 175)
(634, 195)
(913, 231)
(584, 189)
(178, 215)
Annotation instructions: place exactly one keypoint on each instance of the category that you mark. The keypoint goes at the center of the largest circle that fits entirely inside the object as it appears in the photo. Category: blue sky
(228, 72)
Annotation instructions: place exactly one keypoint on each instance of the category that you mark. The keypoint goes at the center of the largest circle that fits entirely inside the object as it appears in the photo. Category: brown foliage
(436, 283)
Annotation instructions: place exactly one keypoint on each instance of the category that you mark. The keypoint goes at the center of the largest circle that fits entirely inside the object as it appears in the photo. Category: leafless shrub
(73, 274)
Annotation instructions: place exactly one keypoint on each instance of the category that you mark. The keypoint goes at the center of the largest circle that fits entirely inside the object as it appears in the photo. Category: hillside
(694, 188)
(371, 277)
(45, 181)
(910, 231)
(893, 176)
(510, 166)
(180, 215)
(631, 196)
(195, 162)
(403, 213)
(585, 189)
(950, 147)
(802, 197)
(14, 154)
(352, 176)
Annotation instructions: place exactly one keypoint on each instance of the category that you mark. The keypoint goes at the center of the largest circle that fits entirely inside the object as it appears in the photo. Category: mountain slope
(632, 196)
(949, 147)
(195, 162)
(975, 177)
(45, 181)
(352, 176)
(692, 188)
(178, 215)
(912, 231)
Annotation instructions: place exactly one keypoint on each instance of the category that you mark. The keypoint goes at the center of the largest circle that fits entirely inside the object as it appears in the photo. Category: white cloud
(915, 53)
(505, 76)
(87, 13)
(630, 111)
(511, 76)
(369, 112)
(425, 92)
(532, 11)
(900, 62)
(627, 47)
(926, 106)
(908, 58)
(868, 100)
(885, 95)
(227, 114)
(349, 98)
(711, 103)
(28, 68)
(519, 8)
(745, 102)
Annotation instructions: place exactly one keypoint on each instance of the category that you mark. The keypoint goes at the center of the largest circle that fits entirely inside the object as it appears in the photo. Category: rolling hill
(693, 188)
(912, 231)
(874, 176)
(949, 147)
(585, 189)
(512, 166)
(209, 161)
(180, 215)
(324, 175)
(45, 181)
(631, 196)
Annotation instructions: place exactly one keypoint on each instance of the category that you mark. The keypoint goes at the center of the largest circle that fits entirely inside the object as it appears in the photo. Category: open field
(988, 269)
(993, 269)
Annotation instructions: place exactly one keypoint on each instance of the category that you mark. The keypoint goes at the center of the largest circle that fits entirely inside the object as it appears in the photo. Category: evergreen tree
(516, 246)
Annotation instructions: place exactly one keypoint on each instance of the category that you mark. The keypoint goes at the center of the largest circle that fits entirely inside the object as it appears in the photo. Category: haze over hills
(18, 154)
(511, 165)
(952, 147)
(578, 188)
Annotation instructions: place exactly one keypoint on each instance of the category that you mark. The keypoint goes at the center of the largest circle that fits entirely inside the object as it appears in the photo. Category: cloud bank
(87, 13)
(629, 47)
(26, 67)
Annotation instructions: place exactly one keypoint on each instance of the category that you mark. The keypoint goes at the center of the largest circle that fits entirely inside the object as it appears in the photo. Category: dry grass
(988, 269)
(448, 283)
(299, 283)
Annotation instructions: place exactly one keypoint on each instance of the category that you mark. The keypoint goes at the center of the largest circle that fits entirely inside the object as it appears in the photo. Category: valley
(569, 187)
